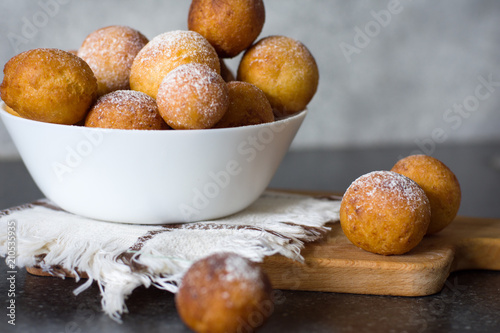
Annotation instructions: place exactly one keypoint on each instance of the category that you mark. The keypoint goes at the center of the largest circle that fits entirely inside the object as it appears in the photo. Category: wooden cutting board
(334, 264)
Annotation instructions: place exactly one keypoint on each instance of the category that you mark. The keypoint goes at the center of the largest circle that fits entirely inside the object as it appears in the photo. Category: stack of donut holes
(177, 80)
(390, 212)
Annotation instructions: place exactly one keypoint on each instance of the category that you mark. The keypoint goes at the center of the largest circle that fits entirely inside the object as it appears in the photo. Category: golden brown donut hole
(192, 96)
(440, 185)
(224, 292)
(284, 69)
(11, 111)
(110, 51)
(49, 85)
(126, 109)
(248, 105)
(230, 26)
(164, 53)
(384, 212)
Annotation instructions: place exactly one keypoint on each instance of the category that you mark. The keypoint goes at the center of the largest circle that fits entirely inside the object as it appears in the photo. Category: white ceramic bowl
(151, 177)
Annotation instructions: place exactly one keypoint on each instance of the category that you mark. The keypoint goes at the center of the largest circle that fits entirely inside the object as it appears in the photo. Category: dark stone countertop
(469, 302)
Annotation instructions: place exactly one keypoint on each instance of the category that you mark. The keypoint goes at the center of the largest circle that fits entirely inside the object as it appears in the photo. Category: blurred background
(419, 73)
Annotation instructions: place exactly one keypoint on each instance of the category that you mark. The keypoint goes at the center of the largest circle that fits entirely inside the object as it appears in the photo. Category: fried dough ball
(230, 26)
(192, 96)
(225, 72)
(224, 292)
(166, 52)
(110, 52)
(49, 85)
(125, 109)
(284, 70)
(384, 212)
(440, 185)
(11, 111)
(247, 106)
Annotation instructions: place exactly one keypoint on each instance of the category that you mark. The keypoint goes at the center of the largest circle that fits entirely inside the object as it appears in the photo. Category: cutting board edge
(315, 275)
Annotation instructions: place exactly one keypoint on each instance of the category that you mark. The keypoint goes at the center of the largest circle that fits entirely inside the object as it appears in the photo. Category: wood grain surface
(334, 264)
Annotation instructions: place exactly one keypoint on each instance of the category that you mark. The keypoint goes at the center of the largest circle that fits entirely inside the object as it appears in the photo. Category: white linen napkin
(121, 257)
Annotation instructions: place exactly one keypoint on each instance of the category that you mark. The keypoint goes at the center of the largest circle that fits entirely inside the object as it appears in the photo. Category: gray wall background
(415, 74)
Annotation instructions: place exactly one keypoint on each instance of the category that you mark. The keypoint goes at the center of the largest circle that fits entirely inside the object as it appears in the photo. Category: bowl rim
(276, 122)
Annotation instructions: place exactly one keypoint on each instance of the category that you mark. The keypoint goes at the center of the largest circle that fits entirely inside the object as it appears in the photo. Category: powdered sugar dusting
(126, 109)
(399, 191)
(233, 268)
(192, 92)
(135, 100)
(110, 52)
(178, 44)
(164, 53)
(283, 52)
(239, 268)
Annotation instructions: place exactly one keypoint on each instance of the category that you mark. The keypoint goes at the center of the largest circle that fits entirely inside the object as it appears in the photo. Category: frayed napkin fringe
(118, 269)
